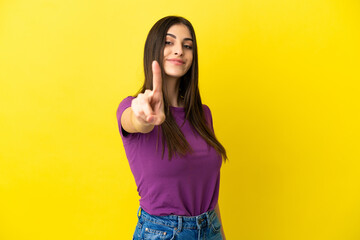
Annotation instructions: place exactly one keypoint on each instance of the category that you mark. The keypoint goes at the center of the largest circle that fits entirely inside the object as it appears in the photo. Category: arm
(217, 210)
(132, 125)
(147, 109)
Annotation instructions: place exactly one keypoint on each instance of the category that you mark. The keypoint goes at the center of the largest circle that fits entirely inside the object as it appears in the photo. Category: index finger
(157, 81)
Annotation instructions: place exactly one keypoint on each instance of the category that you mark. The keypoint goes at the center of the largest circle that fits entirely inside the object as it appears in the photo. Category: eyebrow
(172, 35)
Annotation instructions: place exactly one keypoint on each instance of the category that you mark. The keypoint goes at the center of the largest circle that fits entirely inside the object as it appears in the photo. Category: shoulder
(124, 104)
(207, 114)
(206, 110)
(126, 101)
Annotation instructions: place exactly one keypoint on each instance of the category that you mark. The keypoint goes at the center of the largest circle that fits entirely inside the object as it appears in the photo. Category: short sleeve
(208, 116)
(124, 104)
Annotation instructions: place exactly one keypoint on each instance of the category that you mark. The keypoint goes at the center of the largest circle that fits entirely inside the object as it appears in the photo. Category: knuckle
(141, 112)
(143, 100)
(142, 97)
(133, 104)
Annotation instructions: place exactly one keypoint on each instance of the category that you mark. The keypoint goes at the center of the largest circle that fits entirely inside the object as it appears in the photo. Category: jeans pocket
(137, 232)
(216, 225)
(157, 232)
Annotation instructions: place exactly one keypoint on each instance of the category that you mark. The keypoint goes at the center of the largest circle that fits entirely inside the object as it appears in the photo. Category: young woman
(169, 140)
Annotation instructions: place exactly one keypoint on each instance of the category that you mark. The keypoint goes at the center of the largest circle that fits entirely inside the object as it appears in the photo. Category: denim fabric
(202, 227)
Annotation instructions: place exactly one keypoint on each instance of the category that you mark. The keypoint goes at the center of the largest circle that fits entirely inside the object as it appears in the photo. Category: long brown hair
(189, 91)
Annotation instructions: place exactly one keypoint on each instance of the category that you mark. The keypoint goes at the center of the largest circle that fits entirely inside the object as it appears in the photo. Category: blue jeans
(205, 226)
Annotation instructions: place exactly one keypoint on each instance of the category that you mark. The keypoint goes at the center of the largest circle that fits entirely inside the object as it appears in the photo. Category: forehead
(179, 30)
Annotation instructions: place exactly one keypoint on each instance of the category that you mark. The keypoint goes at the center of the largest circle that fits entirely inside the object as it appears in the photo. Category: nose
(178, 50)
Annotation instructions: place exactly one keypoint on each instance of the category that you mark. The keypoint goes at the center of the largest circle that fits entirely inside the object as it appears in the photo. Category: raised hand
(148, 107)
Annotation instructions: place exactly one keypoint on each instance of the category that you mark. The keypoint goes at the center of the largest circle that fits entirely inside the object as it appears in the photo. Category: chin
(175, 74)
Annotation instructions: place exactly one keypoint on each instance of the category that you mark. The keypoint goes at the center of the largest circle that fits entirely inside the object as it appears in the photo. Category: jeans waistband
(188, 222)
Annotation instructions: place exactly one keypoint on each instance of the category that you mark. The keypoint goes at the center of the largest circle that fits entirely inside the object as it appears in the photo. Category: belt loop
(139, 212)
(208, 220)
(180, 219)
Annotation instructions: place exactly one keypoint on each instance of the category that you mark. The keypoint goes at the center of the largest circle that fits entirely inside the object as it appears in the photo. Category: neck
(172, 88)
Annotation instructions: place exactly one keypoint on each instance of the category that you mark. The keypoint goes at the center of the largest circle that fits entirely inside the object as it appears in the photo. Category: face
(178, 52)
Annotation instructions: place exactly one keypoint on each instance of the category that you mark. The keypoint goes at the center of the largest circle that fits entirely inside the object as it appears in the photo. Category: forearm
(217, 210)
(132, 125)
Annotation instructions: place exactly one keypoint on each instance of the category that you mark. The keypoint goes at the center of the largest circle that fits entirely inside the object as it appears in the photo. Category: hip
(203, 226)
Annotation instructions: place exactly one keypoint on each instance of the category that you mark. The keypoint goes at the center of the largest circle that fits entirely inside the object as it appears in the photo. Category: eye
(188, 46)
(167, 42)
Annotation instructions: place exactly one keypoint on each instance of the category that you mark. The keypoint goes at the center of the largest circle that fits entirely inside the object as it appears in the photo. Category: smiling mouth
(176, 62)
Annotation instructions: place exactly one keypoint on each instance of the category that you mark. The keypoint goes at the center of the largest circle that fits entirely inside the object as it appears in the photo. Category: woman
(169, 140)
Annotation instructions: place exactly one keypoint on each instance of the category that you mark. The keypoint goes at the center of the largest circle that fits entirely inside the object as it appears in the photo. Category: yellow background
(280, 76)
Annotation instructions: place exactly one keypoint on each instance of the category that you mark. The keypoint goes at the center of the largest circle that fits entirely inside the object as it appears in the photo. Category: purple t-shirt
(186, 186)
